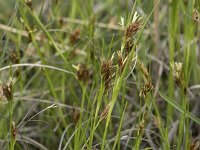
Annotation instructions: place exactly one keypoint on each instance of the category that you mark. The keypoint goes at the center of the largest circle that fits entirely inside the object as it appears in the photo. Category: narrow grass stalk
(12, 138)
(119, 129)
(173, 32)
(164, 134)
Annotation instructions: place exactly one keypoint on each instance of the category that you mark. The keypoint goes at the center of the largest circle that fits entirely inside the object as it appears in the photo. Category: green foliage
(99, 74)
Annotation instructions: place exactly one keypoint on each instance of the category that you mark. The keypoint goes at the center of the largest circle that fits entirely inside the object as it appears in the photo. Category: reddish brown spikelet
(14, 58)
(14, 130)
(74, 36)
(7, 91)
(132, 29)
(106, 71)
(121, 62)
(128, 47)
(146, 88)
(83, 73)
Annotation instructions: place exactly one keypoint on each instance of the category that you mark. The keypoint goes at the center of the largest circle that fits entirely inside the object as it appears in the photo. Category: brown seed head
(14, 130)
(106, 71)
(14, 58)
(128, 47)
(74, 36)
(146, 88)
(83, 73)
(144, 71)
(7, 91)
(132, 29)
(178, 73)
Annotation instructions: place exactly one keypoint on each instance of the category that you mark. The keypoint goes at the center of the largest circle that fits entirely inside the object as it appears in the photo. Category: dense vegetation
(100, 74)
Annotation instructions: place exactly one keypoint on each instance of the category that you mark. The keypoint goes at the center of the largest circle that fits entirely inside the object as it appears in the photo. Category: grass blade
(179, 108)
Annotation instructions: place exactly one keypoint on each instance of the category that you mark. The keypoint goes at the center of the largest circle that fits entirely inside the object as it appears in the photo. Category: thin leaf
(179, 108)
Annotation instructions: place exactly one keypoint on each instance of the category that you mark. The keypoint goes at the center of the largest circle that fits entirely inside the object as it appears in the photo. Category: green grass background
(48, 96)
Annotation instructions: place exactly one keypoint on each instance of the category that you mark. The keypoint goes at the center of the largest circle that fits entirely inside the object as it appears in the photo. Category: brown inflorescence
(106, 71)
(14, 130)
(14, 58)
(146, 88)
(83, 73)
(132, 29)
(7, 91)
(120, 62)
(128, 47)
(144, 71)
(74, 36)
(178, 73)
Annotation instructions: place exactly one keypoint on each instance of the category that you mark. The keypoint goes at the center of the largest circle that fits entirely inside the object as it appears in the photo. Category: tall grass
(99, 75)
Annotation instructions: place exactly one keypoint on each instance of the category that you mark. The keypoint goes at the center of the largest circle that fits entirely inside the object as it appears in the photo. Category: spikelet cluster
(107, 73)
